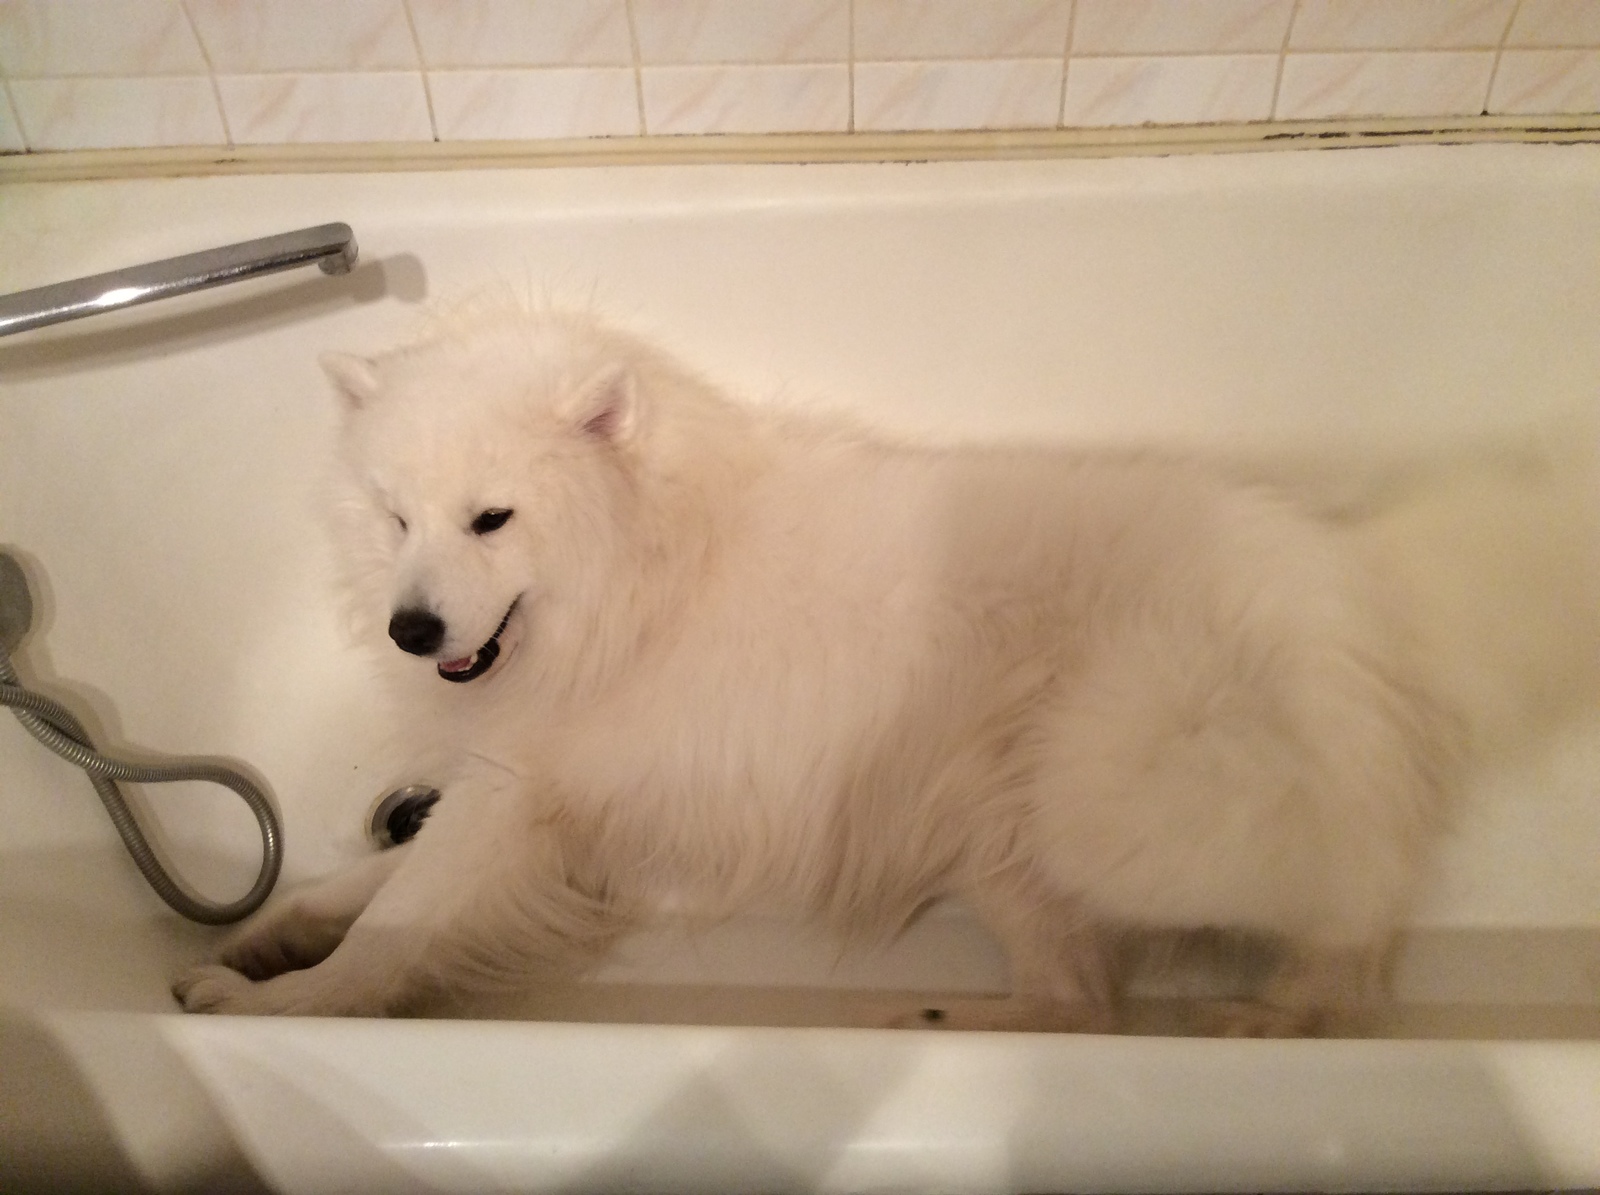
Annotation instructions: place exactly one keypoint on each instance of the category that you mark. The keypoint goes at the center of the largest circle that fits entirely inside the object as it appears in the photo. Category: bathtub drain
(56, 727)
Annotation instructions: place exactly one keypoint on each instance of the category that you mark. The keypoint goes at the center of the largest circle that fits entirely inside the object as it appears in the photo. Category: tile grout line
(638, 66)
(1499, 53)
(936, 145)
(1066, 63)
(211, 71)
(483, 68)
(850, 76)
(540, 68)
(1283, 60)
(422, 68)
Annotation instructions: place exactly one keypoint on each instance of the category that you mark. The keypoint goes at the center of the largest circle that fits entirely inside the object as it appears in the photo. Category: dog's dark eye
(490, 520)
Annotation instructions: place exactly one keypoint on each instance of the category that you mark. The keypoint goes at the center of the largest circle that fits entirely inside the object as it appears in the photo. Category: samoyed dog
(661, 646)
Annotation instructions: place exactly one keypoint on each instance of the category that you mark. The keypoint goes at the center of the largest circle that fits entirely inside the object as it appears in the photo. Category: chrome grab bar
(331, 246)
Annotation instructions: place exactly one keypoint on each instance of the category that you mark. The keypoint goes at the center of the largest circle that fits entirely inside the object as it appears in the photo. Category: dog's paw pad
(211, 988)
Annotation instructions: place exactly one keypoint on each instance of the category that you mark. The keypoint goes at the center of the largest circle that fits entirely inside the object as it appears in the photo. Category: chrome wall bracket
(331, 246)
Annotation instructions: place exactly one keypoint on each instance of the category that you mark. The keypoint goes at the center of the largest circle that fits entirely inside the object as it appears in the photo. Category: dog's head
(487, 485)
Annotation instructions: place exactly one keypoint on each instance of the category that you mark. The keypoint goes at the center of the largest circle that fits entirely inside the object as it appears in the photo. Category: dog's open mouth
(473, 666)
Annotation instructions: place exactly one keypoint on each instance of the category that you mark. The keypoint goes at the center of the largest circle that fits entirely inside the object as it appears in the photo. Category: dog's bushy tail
(1494, 553)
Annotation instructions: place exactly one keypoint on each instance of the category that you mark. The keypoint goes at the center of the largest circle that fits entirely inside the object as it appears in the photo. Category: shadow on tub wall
(58, 1136)
(162, 328)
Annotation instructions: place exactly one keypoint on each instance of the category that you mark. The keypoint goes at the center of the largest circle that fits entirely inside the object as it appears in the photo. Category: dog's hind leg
(303, 927)
(1062, 962)
(483, 897)
(1316, 990)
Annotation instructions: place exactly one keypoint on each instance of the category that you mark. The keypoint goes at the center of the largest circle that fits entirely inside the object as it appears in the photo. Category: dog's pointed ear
(606, 407)
(355, 378)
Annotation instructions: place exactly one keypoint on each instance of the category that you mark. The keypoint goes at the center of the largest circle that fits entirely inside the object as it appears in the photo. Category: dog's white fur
(760, 656)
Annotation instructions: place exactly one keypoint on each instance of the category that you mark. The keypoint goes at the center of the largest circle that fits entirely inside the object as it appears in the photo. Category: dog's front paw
(288, 936)
(212, 988)
(264, 948)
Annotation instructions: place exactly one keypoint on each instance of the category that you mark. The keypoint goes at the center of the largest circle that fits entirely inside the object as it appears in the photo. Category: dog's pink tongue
(460, 665)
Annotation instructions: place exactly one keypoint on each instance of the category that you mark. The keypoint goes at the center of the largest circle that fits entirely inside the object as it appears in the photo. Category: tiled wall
(107, 73)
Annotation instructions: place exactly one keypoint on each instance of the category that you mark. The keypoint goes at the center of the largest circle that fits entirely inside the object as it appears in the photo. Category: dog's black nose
(416, 630)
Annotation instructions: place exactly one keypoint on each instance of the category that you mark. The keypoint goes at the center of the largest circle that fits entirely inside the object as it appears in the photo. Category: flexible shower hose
(56, 727)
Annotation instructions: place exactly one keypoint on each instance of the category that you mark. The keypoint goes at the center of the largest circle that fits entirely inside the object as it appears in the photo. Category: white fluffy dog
(668, 646)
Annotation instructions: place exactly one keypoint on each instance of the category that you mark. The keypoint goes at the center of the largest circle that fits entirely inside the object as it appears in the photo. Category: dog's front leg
(303, 927)
(482, 897)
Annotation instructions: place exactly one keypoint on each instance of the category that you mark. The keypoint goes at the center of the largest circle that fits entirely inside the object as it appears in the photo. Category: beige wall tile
(245, 36)
(96, 37)
(1400, 24)
(750, 31)
(117, 113)
(279, 109)
(990, 94)
(1529, 82)
(1440, 83)
(135, 72)
(747, 99)
(1180, 26)
(1556, 23)
(890, 30)
(468, 33)
(1187, 90)
(535, 104)
(11, 140)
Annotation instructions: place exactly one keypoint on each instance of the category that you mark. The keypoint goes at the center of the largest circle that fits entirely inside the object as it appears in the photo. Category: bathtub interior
(161, 473)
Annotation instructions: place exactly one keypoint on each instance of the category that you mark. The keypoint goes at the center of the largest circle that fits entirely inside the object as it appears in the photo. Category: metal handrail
(331, 246)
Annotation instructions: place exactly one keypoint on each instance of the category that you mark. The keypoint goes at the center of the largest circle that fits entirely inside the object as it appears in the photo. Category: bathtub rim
(436, 1099)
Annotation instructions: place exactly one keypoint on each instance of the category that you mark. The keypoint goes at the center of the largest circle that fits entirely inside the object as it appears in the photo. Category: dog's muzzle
(473, 666)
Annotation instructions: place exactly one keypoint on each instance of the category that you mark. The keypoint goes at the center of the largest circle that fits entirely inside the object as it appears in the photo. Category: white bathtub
(159, 473)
